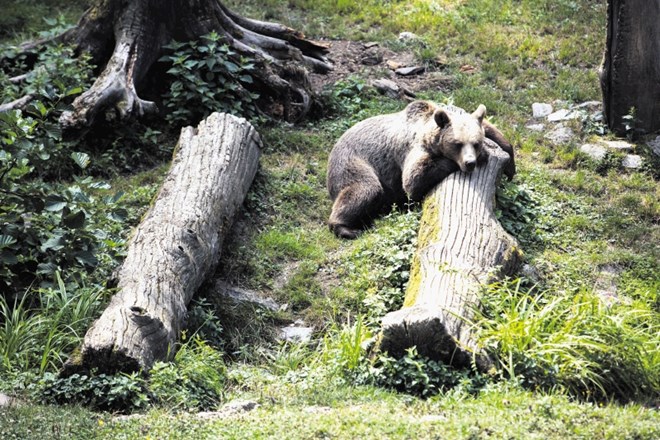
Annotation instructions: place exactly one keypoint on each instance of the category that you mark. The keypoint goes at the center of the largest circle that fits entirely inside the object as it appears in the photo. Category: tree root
(282, 55)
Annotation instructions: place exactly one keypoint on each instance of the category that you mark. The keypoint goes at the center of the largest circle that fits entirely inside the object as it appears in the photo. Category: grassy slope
(524, 51)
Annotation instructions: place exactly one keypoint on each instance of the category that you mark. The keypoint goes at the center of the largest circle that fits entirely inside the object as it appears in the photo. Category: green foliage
(120, 392)
(194, 380)
(417, 375)
(572, 341)
(39, 337)
(208, 76)
(517, 210)
(378, 269)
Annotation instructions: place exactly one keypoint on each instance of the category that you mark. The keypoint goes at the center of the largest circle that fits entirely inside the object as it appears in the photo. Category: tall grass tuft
(572, 342)
(39, 338)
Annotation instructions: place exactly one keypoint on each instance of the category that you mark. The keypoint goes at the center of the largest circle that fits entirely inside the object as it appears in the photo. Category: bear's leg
(495, 135)
(422, 172)
(355, 207)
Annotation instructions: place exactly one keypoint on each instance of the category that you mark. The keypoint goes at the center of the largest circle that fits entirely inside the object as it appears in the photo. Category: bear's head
(461, 136)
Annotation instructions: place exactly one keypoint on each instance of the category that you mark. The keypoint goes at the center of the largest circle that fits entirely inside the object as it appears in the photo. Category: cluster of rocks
(557, 131)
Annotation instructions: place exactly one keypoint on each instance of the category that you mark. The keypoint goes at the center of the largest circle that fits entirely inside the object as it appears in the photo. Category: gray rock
(590, 105)
(229, 409)
(410, 71)
(371, 57)
(562, 115)
(632, 161)
(243, 296)
(595, 152)
(618, 145)
(540, 110)
(530, 272)
(296, 333)
(655, 146)
(560, 135)
(388, 87)
(535, 127)
(6, 401)
(408, 36)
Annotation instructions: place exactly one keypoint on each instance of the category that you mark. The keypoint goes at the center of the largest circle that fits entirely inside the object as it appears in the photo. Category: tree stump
(175, 247)
(461, 247)
(630, 75)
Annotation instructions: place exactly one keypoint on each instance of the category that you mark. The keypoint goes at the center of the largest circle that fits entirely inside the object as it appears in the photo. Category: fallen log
(461, 247)
(174, 248)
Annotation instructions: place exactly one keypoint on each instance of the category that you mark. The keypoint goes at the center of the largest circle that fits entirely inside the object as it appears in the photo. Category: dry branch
(461, 247)
(175, 246)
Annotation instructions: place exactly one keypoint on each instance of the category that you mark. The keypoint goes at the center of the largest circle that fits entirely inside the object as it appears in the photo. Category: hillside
(575, 336)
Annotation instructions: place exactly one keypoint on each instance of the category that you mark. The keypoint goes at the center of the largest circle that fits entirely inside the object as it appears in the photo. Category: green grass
(568, 364)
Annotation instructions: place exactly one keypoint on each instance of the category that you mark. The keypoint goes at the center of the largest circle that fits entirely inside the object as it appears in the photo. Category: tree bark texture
(461, 247)
(630, 75)
(175, 247)
(125, 37)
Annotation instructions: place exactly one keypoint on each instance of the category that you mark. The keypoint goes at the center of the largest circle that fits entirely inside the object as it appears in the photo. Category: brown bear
(393, 158)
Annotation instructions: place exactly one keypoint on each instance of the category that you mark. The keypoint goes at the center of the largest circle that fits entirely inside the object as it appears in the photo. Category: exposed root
(19, 103)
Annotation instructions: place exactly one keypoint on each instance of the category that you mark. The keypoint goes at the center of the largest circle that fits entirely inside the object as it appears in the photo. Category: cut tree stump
(175, 247)
(461, 247)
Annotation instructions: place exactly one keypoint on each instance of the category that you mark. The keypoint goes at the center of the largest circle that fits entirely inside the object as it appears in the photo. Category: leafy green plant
(207, 76)
(120, 392)
(195, 379)
(573, 342)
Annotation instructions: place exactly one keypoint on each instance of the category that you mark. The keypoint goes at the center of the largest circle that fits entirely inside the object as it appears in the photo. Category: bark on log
(630, 75)
(175, 246)
(461, 247)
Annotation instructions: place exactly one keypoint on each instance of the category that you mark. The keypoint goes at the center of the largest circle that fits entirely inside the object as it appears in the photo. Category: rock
(618, 145)
(655, 146)
(595, 152)
(371, 44)
(296, 332)
(6, 401)
(560, 135)
(590, 105)
(632, 161)
(409, 71)
(530, 272)
(371, 57)
(540, 110)
(535, 127)
(388, 88)
(562, 115)
(243, 296)
(393, 64)
(408, 36)
(229, 409)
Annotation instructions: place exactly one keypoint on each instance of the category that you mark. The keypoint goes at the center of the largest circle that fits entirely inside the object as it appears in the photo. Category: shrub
(207, 76)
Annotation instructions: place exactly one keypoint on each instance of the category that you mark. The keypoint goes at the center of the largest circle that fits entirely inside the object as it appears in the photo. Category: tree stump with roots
(126, 37)
(461, 248)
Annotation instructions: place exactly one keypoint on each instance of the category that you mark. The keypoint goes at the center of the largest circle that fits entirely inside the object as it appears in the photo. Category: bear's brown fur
(389, 159)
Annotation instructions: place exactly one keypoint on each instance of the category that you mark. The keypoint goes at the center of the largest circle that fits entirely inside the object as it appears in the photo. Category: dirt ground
(374, 61)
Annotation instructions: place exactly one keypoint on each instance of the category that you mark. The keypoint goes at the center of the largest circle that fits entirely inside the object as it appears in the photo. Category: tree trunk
(175, 247)
(461, 247)
(630, 75)
(127, 36)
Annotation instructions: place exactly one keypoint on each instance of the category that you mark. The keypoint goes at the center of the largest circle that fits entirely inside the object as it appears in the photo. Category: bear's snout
(470, 165)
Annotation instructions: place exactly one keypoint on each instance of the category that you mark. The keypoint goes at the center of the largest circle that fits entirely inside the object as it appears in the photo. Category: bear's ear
(441, 118)
(480, 112)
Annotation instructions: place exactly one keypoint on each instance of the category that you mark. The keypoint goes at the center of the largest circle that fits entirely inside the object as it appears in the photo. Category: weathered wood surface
(461, 247)
(175, 247)
(630, 75)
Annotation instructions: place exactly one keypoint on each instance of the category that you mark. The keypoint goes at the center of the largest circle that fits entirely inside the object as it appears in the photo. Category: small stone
(295, 333)
(387, 87)
(370, 44)
(562, 115)
(560, 135)
(242, 296)
(655, 146)
(408, 36)
(530, 272)
(5, 400)
(632, 161)
(371, 58)
(393, 64)
(595, 152)
(618, 145)
(540, 110)
(535, 127)
(409, 71)
(590, 105)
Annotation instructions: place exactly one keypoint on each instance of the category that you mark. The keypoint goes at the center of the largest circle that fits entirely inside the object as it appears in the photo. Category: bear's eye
(458, 145)
(477, 145)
